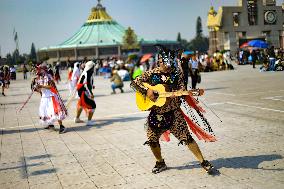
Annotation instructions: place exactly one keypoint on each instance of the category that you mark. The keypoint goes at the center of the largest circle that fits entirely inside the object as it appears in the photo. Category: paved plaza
(248, 154)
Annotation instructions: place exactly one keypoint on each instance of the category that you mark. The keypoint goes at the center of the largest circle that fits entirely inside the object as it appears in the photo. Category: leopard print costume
(169, 116)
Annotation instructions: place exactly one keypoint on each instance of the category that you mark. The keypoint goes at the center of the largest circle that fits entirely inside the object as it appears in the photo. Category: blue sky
(50, 22)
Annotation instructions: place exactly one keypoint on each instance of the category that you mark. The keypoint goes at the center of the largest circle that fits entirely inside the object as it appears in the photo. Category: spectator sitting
(264, 67)
(116, 82)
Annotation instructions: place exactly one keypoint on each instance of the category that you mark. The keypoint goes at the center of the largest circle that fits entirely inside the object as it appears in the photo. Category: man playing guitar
(169, 117)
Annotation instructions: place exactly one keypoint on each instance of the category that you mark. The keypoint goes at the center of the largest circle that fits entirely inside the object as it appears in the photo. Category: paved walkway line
(216, 103)
(272, 91)
(257, 107)
(227, 94)
(275, 98)
(244, 94)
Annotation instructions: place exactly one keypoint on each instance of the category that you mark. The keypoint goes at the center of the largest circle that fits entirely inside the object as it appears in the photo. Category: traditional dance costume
(84, 88)
(170, 118)
(51, 107)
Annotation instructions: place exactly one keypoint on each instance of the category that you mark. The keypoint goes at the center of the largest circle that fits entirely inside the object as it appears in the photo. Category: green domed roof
(99, 30)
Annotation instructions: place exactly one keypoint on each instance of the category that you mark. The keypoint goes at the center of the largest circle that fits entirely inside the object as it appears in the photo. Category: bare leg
(59, 122)
(78, 113)
(160, 163)
(90, 115)
(193, 147)
(156, 149)
(204, 163)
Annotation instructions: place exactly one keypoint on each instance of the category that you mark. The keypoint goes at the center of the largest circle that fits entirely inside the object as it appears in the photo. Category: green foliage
(183, 42)
(130, 40)
(199, 27)
(199, 43)
(16, 58)
(9, 59)
(33, 53)
(179, 37)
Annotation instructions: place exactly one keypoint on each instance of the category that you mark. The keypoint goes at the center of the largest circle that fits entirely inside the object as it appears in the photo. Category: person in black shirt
(271, 55)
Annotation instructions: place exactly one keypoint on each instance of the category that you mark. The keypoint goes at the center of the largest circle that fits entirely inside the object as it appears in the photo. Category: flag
(16, 37)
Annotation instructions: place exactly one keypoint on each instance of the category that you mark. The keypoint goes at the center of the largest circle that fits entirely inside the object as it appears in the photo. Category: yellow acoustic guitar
(144, 103)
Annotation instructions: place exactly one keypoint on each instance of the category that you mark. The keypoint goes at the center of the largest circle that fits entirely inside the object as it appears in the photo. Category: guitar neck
(178, 93)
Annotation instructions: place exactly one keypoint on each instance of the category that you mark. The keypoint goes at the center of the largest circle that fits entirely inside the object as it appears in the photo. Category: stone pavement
(249, 151)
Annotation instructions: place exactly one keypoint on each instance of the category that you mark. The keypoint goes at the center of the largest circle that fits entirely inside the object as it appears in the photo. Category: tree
(199, 43)
(16, 56)
(183, 42)
(130, 40)
(198, 27)
(179, 37)
(33, 53)
(9, 59)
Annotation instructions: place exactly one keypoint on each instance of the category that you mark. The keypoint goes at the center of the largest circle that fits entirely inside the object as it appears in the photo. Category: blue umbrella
(188, 52)
(258, 44)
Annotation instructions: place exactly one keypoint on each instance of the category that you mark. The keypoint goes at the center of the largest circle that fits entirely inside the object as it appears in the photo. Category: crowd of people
(270, 59)
(120, 70)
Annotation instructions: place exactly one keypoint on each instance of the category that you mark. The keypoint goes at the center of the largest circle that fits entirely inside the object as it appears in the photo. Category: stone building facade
(232, 26)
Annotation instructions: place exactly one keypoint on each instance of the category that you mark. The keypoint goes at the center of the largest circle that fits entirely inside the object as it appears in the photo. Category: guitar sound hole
(156, 94)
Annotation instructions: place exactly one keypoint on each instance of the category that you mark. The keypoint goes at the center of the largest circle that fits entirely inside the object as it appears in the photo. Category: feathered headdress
(167, 55)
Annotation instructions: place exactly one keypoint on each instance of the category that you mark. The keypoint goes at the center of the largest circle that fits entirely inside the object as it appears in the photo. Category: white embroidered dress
(51, 106)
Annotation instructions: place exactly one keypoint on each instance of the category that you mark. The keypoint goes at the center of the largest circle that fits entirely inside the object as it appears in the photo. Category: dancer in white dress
(51, 107)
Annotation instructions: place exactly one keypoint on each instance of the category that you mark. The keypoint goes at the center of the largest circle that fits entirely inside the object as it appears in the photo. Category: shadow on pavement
(245, 162)
(19, 94)
(38, 157)
(104, 122)
(24, 166)
(20, 167)
(16, 103)
(44, 171)
(96, 96)
(214, 88)
(82, 127)
(20, 130)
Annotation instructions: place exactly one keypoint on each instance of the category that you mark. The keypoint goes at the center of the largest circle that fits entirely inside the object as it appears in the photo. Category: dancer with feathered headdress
(170, 118)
